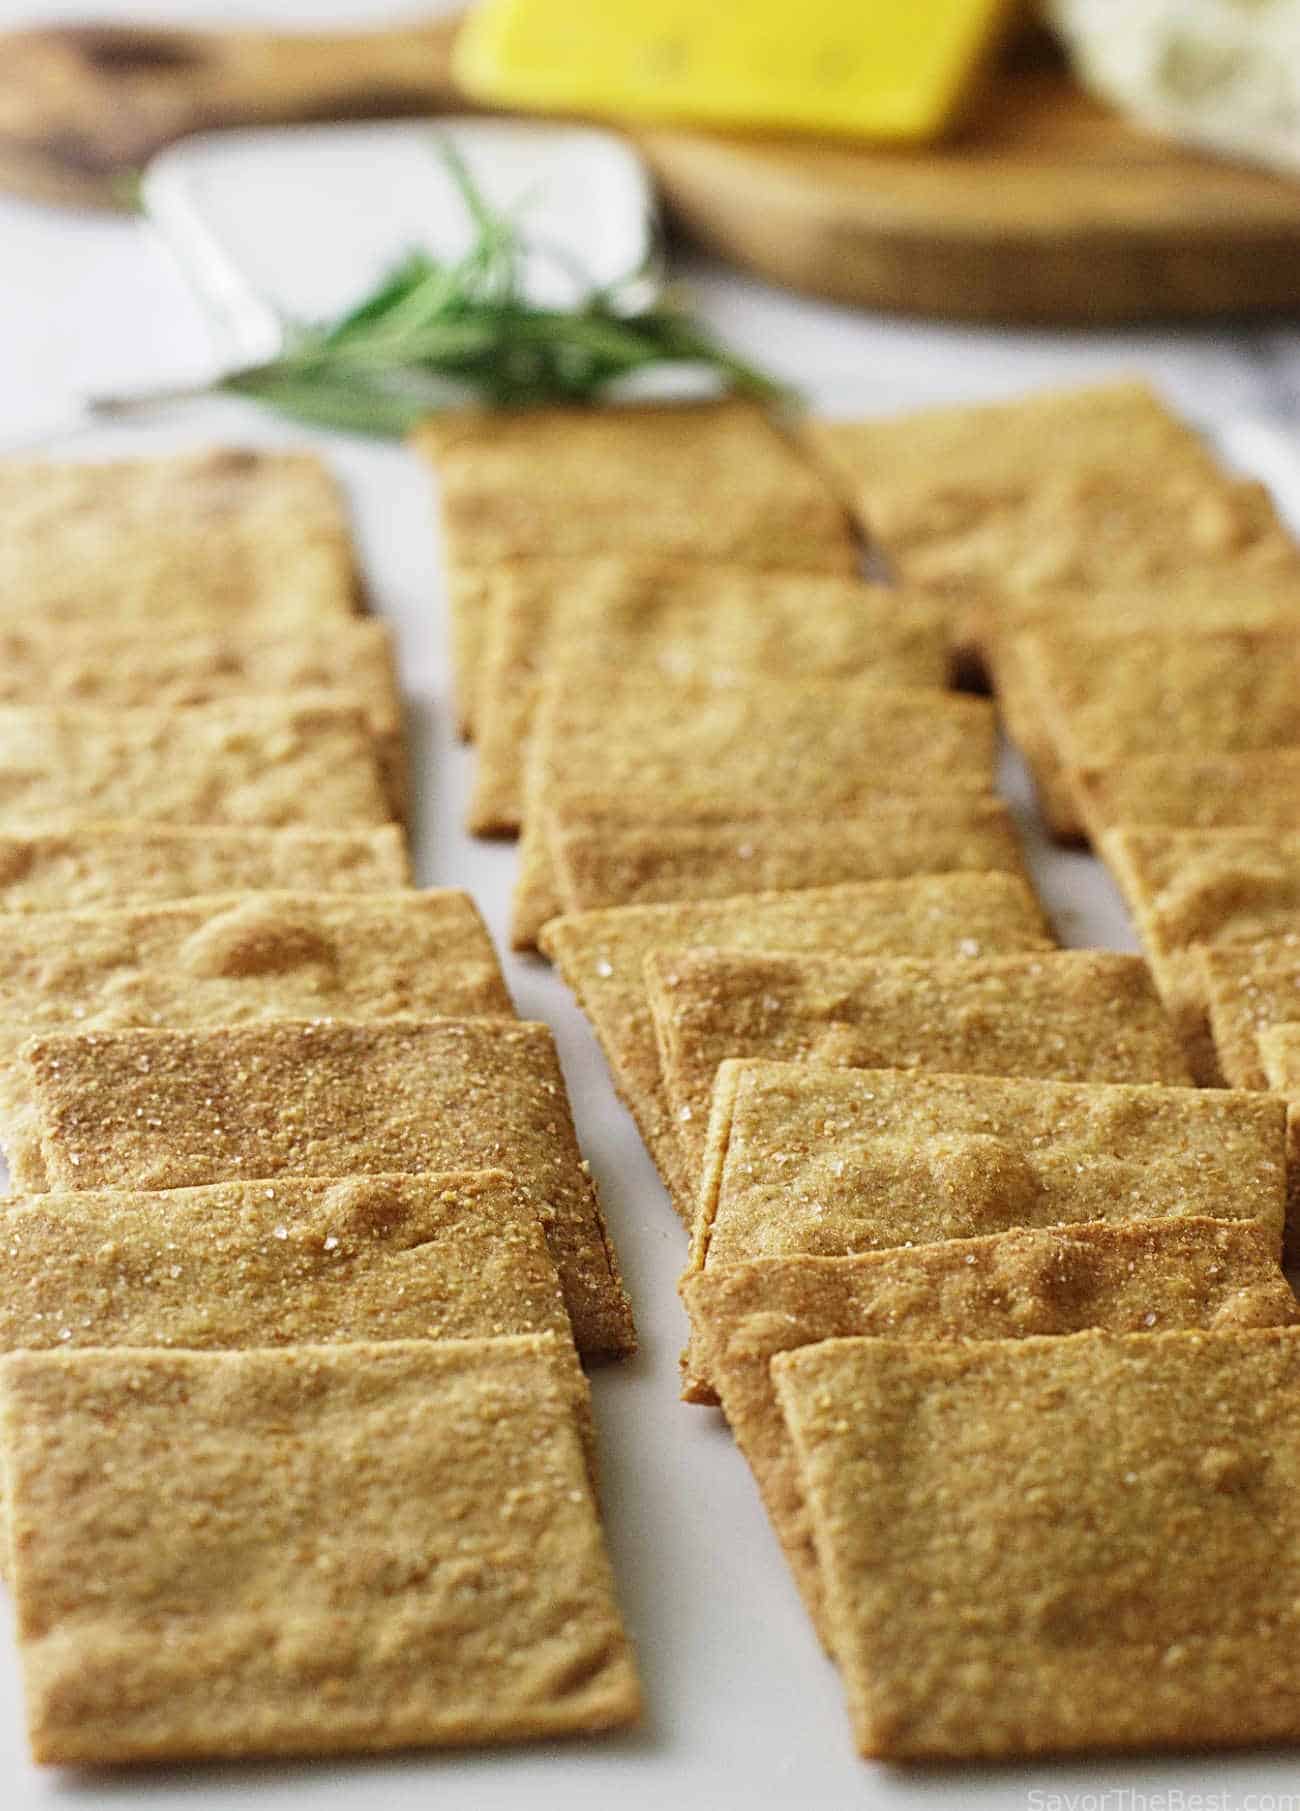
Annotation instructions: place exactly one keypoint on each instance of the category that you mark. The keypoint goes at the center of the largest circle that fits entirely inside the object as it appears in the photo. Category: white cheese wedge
(1224, 74)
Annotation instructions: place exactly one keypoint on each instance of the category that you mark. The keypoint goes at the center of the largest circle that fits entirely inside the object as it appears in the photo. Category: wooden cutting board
(1047, 208)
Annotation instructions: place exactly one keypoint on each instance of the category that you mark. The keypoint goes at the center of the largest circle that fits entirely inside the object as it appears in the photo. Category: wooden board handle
(81, 105)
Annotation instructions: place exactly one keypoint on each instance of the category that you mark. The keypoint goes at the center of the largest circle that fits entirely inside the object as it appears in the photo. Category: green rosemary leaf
(343, 404)
(431, 333)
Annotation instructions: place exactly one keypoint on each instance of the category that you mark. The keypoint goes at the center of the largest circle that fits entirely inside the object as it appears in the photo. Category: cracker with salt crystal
(1056, 1545)
(716, 482)
(175, 1109)
(680, 749)
(832, 1162)
(1125, 1277)
(227, 961)
(1188, 889)
(1249, 987)
(1209, 599)
(668, 619)
(1071, 490)
(108, 669)
(1187, 791)
(1099, 699)
(223, 538)
(601, 860)
(236, 961)
(256, 762)
(96, 867)
(602, 954)
(1068, 1015)
(292, 1262)
(350, 1547)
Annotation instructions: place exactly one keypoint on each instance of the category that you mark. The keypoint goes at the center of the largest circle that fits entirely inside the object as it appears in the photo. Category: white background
(743, 1710)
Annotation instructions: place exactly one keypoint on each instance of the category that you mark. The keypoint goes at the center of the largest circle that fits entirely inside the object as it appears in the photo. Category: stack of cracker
(1138, 609)
(297, 1448)
(996, 1348)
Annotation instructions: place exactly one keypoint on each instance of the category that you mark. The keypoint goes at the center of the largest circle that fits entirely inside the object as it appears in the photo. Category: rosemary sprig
(436, 333)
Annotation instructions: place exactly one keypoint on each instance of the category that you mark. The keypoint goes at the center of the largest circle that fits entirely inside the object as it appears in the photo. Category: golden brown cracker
(351, 663)
(291, 1262)
(1187, 791)
(832, 1162)
(602, 861)
(1105, 698)
(914, 478)
(1068, 489)
(231, 961)
(680, 750)
(1044, 1545)
(1198, 597)
(219, 538)
(349, 1547)
(467, 589)
(601, 956)
(97, 867)
(256, 762)
(1068, 1015)
(1191, 888)
(1126, 1277)
(1249, 987)
(667, 619)
(174, 1109)
(702, 481)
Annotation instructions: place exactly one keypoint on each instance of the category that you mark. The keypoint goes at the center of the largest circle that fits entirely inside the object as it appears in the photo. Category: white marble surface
(743, 1710)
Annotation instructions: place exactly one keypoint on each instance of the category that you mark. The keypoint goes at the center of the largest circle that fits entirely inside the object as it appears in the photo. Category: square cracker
(214, 539)
(256, 762)
(681, 750)
(1069, 489)
(1190, 888)
(295, 1262)
(832, 1162)
(1070, 1015)
(108, 669)
(233, 962)
(701, 481)
(1194, 601)
(1198, 597)
(715, 482)
(602, 954)
(1185, 791)
(916, 480)
(348, 1547)
(1098, 699)
(1049, 1545)
(601, 860)
(229, 961)
(1124, 1277)
(95, 867)
(172, 1109)
(1249, 987)
(669, 619)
